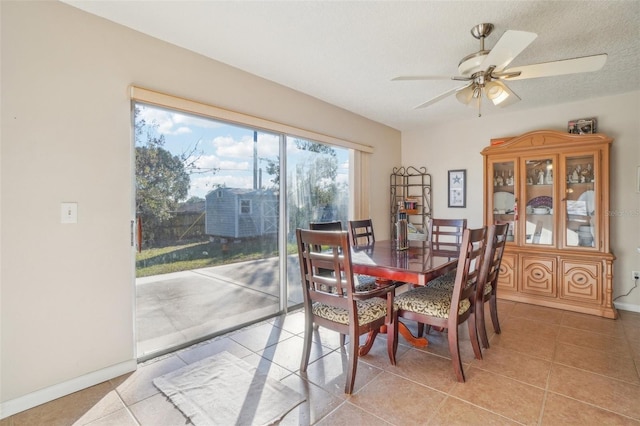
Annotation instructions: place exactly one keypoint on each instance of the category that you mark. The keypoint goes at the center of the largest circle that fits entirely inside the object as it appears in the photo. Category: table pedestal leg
(418, 342)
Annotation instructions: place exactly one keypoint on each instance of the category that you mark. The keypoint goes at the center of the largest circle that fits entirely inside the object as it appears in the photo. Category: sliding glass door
(209, 195)
(317, 190)
(207, 207)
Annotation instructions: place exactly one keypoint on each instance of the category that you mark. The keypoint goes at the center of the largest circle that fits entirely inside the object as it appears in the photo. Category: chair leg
(480, 324)
(342, 336)
(454, 350)
(473, 336)
(420, 329)
(493, 306)
(306, 349)
(354, 343)
(392, 338)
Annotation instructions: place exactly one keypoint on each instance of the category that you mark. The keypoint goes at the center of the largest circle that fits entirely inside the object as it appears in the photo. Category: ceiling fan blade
(565, 66)
(423, 77)
(510, 45)
(442, 96)
(500, 94)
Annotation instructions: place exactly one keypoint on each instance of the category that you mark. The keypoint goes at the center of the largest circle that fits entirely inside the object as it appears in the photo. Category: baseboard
(626, 306)
(13, 406)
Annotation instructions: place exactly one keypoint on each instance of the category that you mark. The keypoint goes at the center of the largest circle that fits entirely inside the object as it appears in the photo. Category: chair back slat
(496, 242)
(445, 236)
(326, 226)
(361, 232)
(325, 262)
(469, 264)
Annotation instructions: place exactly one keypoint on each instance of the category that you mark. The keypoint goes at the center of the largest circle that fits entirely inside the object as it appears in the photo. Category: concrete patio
(177, 308)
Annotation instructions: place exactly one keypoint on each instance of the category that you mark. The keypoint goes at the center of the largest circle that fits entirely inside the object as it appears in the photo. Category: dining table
(416, 265)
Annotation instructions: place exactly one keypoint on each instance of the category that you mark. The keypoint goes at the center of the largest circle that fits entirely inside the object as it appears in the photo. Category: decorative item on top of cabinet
(582, 126)
(557, 254)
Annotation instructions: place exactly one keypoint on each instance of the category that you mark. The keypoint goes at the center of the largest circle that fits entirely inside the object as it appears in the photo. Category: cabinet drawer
(581, 281)
(538, 276)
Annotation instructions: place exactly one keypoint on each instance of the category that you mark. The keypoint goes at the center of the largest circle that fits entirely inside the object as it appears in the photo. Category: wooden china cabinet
(553, 190)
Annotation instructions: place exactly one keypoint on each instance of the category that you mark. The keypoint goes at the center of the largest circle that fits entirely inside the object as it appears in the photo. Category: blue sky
(222, 146)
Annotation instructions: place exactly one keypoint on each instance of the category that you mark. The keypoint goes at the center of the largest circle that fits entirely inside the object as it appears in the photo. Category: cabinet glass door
(580, 197)
(539, 201)
(503, 195)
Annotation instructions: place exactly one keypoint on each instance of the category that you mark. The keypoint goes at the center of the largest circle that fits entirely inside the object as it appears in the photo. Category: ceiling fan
(485, 70)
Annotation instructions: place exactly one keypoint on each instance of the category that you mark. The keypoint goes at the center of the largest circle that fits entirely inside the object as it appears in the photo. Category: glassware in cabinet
(539, 201)
(580, 200)
(502, 194)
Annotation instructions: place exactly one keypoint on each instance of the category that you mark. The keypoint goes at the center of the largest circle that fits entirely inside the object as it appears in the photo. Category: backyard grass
(185, 257)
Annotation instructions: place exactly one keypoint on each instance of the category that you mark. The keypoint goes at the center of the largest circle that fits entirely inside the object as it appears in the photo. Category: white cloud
(182, 130)
(234, 165)
(173, 123)
(206, 161)
(190, 120)
(227, 146)
(214, 162)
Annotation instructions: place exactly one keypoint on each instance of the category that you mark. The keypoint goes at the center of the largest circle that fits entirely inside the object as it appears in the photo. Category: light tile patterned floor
(548, 367)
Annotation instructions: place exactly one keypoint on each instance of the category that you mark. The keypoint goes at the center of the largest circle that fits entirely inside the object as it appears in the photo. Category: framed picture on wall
(457, 188)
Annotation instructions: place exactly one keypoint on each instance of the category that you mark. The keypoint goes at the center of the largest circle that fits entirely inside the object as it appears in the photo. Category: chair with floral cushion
(363, 282)
(448, 308)
(490, 271)
(487, 286)
(331, 301)
(445, 239)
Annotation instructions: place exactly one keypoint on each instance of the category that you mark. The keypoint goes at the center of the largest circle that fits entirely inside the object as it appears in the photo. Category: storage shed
(241, 213)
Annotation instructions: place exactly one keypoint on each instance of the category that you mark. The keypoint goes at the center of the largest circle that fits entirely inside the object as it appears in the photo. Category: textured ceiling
(346, 53)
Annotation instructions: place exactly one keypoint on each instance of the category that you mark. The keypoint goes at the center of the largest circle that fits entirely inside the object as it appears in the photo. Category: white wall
(67, 293)
(457, 145)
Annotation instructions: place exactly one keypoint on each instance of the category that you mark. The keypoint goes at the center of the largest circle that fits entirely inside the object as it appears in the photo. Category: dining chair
(361, 232)
(363, 282)
(449, 308)
(445, 239)
(489, 273)
(487, 284)
(445, 236)
(331, 301)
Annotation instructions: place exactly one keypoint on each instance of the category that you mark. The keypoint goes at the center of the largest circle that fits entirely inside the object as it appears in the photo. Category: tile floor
(548, 367)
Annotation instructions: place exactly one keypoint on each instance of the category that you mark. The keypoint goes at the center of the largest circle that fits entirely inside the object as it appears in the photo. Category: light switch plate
(69, 213)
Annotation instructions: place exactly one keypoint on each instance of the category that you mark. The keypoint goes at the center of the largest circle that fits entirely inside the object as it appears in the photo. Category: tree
(273, 166)
(161, 179)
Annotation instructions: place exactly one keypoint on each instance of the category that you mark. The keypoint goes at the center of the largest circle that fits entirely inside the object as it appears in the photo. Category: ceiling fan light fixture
(465, 94)
(495, 92)
(509, 97)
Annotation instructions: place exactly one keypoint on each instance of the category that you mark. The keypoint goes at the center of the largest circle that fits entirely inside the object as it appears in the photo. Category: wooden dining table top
(416, 265)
